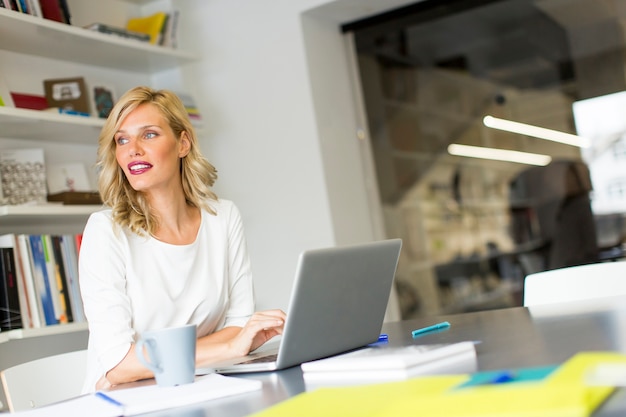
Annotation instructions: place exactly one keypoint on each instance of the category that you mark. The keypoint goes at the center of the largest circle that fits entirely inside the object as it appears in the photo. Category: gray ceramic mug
(171, 354)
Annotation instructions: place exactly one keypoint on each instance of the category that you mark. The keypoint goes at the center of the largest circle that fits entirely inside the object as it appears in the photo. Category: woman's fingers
(268, 319)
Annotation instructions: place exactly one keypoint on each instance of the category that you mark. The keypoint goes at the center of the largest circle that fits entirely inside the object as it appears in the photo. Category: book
(57, 278)
(10, 241)
(70, 262)
(51, 10)
(10, 313)
(25, 261)
(68, 94)
(22, 176)
(152, 25)
(388, 363)
(117, 31)
(29, 101)
(78, 239)
(42, 282)
(65, 12)
(170, 34)
(56, 286)
(62, 276)
(26, 308)
(190, 106)
(34, 8)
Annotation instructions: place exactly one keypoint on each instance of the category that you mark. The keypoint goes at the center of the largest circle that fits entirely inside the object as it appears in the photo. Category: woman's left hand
(261, 327)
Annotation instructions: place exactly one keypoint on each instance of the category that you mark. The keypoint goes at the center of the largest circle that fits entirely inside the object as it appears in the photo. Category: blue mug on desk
(171, 354)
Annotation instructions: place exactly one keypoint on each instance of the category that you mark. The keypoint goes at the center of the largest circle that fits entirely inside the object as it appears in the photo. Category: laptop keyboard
(263, 359)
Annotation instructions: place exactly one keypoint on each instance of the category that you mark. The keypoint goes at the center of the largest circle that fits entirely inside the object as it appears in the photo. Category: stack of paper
(386, 363)
(138, 400)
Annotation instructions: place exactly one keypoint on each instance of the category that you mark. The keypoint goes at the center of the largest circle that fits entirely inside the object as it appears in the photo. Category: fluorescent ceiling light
(499, 154)
(536, 131)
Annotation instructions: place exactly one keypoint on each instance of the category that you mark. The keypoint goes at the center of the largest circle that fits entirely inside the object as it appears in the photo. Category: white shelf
(42, 125)
(42, 331)
(49, 211)
(31, 35)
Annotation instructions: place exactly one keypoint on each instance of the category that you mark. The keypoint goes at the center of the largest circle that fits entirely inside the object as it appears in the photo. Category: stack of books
(388, 363)
(56, 10)
(119, 32)
(39, 280)
(158, 29)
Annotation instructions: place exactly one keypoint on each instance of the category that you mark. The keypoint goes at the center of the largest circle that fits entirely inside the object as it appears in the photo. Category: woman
(167, 252)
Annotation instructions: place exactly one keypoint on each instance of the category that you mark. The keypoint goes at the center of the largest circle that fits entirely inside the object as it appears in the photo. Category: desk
(513, 337)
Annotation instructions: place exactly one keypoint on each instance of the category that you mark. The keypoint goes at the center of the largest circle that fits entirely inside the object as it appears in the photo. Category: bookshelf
(81, 50)
(31, 35)
(30, 124)
(33, 49)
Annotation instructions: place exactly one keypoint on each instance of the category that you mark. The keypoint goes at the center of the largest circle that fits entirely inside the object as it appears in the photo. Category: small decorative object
(103, 101)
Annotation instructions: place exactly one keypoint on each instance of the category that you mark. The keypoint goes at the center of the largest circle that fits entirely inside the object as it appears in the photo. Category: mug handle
(150, 346)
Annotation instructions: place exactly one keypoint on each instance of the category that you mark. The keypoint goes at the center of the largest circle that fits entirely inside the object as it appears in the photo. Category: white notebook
(387, 363)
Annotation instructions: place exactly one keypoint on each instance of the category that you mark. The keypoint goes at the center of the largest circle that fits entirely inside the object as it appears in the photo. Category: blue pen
(439, 326)
(109, 399)
(382, 339)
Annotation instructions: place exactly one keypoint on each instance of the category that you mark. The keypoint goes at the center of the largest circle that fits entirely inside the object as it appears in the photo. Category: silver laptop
(338, 303)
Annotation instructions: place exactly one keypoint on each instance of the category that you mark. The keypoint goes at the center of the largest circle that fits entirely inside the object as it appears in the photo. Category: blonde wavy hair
(130, 208)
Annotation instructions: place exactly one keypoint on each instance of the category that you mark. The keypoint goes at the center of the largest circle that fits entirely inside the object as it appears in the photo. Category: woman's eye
(121, 140)
(150, 135)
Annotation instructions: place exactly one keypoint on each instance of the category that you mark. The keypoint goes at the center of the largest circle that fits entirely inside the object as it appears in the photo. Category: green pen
(434, 327)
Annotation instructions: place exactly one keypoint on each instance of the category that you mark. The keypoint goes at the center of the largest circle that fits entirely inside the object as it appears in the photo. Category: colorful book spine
(10, 241)
(39, 281)
(51, 10)
(56, 285)
(70, 260)
(60, 269)
(36, 310)
(10, 313)
(40, 273)
(26, 308)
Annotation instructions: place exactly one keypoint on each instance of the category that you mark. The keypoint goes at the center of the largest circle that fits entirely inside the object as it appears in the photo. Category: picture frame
(103, 100)
(68, 94)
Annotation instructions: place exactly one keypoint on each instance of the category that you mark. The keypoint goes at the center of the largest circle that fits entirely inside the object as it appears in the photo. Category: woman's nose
(134, 149)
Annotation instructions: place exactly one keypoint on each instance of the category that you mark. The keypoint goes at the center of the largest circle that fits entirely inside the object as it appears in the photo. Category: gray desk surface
(514, 337)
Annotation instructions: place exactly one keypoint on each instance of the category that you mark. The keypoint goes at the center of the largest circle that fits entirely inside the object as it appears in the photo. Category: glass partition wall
(497, 129)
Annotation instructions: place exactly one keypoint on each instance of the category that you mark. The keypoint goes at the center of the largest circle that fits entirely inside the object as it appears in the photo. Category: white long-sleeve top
(132, 283)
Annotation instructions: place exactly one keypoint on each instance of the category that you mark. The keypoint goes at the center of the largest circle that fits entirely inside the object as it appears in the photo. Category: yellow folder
(152, 25)
(562, 393)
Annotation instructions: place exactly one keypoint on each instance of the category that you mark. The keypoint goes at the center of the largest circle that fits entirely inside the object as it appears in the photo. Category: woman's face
(148, 151)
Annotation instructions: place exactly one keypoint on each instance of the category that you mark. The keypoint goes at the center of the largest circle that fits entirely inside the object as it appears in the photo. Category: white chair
(575, 283)
(44, 381)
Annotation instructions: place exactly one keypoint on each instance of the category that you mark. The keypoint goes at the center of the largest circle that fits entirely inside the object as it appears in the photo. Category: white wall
(275, 88)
